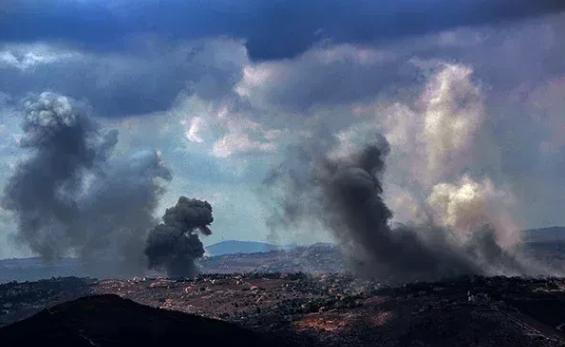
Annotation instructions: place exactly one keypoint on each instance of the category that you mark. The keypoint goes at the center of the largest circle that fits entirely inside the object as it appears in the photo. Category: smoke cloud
(453, 113)
(174, 245)
(465, 205)
(453, 222)
(71, 197)
(346, 195)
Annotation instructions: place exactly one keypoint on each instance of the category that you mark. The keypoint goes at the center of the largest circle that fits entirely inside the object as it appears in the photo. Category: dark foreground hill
(108, 320)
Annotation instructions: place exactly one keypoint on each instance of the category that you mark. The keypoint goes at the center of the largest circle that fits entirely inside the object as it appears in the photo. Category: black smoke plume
(174, 245)
(72, 198)
(345, 195)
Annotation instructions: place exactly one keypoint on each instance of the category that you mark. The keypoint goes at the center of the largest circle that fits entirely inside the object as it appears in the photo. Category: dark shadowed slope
(108, 320)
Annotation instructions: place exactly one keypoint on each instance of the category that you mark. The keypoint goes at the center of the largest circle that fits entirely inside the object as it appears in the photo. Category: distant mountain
(250, 256)
(544, 234)
(315, 258)
(33, 269)
(234, 247)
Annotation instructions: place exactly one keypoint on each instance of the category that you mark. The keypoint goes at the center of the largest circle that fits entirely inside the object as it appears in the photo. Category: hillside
(234, 247)
(108, 320)
(546, 245)
(296, 309)
(549, 234)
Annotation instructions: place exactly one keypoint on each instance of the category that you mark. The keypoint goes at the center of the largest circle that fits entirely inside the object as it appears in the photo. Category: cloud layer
(272, 30)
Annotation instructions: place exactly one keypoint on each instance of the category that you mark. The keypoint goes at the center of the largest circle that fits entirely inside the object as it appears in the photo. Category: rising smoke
(71, 197)
(345, 194)
(174, 244)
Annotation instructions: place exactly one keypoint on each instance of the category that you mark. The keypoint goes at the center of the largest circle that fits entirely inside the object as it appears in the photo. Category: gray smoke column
(345, 195)
(71, 197)
(174, 245)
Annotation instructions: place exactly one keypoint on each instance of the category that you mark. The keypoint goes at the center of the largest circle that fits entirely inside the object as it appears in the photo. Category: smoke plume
(71, 197)
(174, 244)
(345, 195)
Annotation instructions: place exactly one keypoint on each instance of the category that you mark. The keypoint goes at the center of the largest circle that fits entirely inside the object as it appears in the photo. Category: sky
(469, 94)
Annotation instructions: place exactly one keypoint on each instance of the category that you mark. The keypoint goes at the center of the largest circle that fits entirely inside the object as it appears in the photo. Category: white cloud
(245, 136)
(222, 128)
(194, 128)
(26, 57)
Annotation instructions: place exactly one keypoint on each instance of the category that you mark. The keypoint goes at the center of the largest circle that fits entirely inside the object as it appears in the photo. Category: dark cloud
(131, 67)
(71, 197)
(174, 245)
(145, 79)
(273, 30)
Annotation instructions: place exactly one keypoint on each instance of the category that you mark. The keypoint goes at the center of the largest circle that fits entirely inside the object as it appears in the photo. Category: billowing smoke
(71, 197)
(453, 113)
(466, 204)
(451, 222)
(345, 195)
(444, 158)
(174, 245)
(443, 206)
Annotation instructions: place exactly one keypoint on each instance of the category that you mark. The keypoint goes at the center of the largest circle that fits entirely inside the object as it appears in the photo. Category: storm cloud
(272, 30)
(146, 78)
